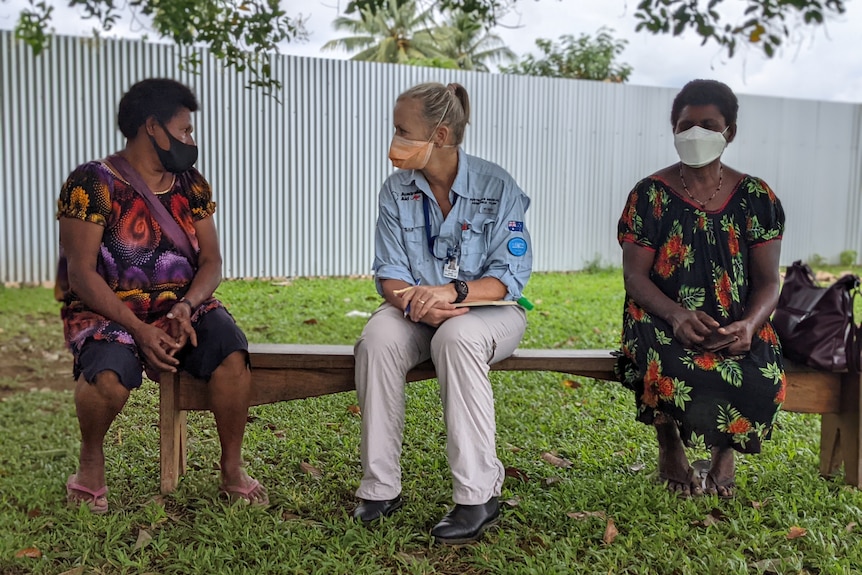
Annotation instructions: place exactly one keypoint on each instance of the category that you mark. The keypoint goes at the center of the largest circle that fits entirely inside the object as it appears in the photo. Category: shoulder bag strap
(166, 221)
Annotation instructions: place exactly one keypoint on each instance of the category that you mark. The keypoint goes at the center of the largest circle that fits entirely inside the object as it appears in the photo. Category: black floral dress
(702, 262)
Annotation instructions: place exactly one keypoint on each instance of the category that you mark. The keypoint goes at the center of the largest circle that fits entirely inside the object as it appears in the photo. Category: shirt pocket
(475, 242)
(415, 243)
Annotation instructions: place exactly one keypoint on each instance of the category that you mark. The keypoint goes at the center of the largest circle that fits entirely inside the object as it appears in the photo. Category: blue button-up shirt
(485, 228)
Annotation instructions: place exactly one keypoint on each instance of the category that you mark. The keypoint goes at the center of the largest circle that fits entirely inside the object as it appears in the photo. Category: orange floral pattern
(670, 256)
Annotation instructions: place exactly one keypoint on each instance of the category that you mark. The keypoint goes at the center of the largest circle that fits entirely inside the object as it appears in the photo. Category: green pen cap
(525, 303)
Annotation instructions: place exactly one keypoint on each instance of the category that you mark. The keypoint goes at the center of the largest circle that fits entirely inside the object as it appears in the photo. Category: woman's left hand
(180, 326)
(423, 299)
(744, 332)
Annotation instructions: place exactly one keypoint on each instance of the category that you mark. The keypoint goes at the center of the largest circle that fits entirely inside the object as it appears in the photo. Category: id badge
(450, 270)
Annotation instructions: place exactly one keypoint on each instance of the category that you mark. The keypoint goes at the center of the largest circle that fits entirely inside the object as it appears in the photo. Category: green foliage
(445, 63)
(242, 33)
(584, 58)
(485, 11)
(847, 257)
(816, 260)
(400, 32)
(396, 32)
(767, 22)
(553, 522)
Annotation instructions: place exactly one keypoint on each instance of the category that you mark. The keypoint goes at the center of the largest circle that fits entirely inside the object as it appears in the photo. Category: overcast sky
(823, 63)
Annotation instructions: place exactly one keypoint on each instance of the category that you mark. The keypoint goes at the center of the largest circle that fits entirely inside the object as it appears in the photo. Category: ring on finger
(422, 301)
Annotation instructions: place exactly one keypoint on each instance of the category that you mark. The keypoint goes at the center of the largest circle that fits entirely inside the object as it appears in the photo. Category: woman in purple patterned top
(133, 301)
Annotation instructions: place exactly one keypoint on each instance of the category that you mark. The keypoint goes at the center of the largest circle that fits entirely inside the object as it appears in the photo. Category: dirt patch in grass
(34, 357)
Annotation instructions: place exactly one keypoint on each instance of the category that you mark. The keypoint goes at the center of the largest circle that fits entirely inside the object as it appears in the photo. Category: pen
(407, 309)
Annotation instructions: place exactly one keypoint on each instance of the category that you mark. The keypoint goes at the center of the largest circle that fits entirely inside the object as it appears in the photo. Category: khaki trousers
(462, 349)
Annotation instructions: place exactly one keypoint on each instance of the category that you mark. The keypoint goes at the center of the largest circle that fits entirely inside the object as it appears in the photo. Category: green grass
(308, 528)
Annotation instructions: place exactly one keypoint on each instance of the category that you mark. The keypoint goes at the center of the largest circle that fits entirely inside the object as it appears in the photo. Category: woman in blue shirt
(450, 231)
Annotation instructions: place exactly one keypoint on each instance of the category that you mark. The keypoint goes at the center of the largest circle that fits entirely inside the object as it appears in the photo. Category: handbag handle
(166, 221)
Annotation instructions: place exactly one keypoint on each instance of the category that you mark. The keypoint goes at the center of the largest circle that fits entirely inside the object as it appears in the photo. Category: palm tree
(396, 32)
(465, 41)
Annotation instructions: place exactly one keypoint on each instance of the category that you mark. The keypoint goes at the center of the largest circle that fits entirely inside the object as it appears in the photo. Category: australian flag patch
(516, 226)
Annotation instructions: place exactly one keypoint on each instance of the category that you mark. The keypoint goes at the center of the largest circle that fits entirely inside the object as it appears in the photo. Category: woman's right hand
(158, 347)
(692, 327)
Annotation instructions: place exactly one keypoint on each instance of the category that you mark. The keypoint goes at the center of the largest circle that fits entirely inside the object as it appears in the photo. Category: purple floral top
(136, 260)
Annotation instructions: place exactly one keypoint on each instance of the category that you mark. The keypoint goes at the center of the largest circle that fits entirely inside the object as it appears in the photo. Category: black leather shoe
(368, 511)
(466, 523)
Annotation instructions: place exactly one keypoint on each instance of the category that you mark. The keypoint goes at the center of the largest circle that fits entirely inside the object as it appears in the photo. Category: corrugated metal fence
(296, 179)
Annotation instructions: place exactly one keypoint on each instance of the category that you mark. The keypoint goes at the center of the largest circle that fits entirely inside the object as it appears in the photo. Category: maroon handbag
(815, 324)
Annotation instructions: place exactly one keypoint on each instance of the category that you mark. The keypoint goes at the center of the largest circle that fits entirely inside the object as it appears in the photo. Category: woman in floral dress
(701, 244)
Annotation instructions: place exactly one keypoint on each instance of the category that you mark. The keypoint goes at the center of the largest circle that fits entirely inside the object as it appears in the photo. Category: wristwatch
(461, 289)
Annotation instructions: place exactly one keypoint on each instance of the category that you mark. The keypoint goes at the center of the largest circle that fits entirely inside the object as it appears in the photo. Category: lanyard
(432, 239)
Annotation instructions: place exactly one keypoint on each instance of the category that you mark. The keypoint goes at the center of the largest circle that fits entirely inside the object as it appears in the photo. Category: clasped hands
(161, 340)
(697, 330)
(429, 304)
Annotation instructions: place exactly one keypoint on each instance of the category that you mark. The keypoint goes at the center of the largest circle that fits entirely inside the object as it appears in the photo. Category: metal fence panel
(296, 178)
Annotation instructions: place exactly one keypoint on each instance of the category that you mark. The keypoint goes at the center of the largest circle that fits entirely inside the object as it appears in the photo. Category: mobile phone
(716, 341)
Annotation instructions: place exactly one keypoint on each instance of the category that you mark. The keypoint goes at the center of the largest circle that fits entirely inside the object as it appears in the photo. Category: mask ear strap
(440, 121)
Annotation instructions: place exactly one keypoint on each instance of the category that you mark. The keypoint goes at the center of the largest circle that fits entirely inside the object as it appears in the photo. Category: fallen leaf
(144, 539)
(571, 384)
(714, 517)
(271, 426)
(636, 467)
(35, 512)
(310, 469)
(850, 526)
(514, 448)
(516, 473)
(30, 552)
(758, 504)
(557, 461)
(513, 502)
(280, 434)
(75, 571)
(585, 514)
(288, 516)
(311, 321)
(610, 532)
(796, 532)
(354, 409)
(552, 480)
(767, 566)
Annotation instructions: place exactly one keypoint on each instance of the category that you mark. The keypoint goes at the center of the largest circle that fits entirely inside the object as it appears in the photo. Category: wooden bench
(282, 372)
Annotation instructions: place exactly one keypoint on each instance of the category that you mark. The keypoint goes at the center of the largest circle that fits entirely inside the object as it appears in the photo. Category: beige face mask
(409, 154)
(414, 154)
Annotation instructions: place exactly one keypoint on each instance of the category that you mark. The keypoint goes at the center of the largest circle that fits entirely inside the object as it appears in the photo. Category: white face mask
(698, 146)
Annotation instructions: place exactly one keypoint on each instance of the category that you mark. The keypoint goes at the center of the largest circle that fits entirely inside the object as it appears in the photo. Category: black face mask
(179, 158)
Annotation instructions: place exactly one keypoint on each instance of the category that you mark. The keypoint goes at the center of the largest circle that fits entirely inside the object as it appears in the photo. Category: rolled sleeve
(511, 269)
(390, 254)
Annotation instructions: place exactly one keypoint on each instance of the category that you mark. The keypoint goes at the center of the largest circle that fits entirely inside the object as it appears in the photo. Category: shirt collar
(461, 185)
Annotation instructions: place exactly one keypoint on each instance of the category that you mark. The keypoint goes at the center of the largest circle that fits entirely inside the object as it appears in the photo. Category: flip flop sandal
(243, 493)
(77, 494)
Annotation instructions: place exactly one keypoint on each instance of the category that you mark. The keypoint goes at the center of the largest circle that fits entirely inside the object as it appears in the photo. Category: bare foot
(244, 488)
(673, 466)
(720, 480)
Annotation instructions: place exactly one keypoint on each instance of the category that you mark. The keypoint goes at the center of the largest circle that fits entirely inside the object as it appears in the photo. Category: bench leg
(840, 439)
(172, 433)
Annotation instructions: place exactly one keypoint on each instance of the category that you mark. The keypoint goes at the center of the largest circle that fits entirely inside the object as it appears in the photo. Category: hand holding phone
(716, 341)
